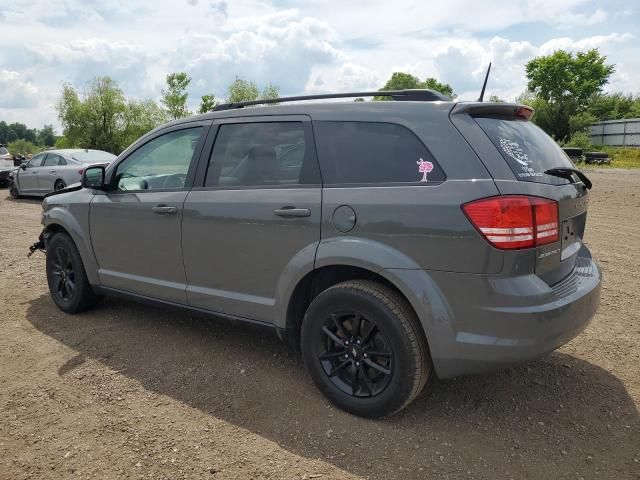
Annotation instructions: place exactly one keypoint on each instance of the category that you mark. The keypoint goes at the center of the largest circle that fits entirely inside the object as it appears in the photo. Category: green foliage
(614, 106)
(580, 139)
(270, 91)
(23, 147)
(563, 76)
(405, 81)
(63, 142)
(207, 103)
(103, 119)
(580, 122)
(174, 98)
(561, 87)
(495, 99)
(17, 131)
(46, 136)
(241, 90)
(359, 99)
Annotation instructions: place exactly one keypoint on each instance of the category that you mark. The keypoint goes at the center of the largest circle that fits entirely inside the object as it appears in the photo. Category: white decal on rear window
(424, 168)
(514, 150)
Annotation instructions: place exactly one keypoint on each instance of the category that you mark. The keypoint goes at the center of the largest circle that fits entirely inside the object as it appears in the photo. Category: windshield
(94, 156)
(526, 148)
(3, 151)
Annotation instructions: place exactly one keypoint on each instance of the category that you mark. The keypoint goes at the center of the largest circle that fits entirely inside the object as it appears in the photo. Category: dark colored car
(388, 240)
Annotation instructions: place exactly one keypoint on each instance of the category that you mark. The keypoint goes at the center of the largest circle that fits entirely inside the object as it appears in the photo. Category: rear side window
(3, 151)
(94, 156)
(373, 152)
(262, 154)
(526, 148)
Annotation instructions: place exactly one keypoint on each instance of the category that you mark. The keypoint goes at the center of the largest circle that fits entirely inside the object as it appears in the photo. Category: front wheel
(364, 348)
(59, 185)
(68, 283)
(13, 190)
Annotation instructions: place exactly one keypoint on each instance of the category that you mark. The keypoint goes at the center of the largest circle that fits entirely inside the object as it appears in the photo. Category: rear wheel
(68, 284)
(364, 348)
(59, 185)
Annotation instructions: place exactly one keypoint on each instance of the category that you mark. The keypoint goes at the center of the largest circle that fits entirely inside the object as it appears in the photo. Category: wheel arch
(60, 220)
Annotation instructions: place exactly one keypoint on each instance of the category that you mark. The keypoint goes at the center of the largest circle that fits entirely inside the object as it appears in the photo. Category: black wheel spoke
(378, 354)
(332, 336)
(369, 335)
(339, 325)
(58, 285)
(354, 381)
(377, 366)
(338, 367)
(367, 382)
(331, 355)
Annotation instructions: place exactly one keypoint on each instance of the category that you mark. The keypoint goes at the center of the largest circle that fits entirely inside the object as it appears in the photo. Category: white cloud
(16, 91)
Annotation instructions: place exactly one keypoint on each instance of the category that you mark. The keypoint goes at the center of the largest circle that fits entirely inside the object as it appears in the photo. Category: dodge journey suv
(388, 240)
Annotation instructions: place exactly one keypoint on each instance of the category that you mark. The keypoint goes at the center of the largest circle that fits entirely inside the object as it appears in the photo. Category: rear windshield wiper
(566, 172)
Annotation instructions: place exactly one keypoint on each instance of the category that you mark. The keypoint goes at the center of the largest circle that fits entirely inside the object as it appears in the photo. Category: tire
(59, 185)
(68, 284)
(596, 155)
(334, 348)
(13, 191)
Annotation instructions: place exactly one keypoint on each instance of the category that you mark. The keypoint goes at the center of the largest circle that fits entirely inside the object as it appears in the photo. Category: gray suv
(388, 240)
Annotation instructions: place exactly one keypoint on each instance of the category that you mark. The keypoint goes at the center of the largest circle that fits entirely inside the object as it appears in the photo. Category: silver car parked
(54, 170)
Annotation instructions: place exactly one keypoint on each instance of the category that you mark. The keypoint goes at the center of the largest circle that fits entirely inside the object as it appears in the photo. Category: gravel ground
(132, 391)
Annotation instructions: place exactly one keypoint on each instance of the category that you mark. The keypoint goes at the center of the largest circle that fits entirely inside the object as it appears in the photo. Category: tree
(270, 92)
(562, 84)
(175, 97)
(23, 147)
(241, 90)
(207, 103)
(46, 136)
(103, 119)
(406, 81)
(495, 99)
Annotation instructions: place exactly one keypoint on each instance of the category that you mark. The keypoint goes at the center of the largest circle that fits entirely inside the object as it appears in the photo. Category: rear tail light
(81, 171)
(511, 222)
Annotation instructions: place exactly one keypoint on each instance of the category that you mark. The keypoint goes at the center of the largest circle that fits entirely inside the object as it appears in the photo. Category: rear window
(3, 151)
(527, 149)
(373, 152)
(94, 156)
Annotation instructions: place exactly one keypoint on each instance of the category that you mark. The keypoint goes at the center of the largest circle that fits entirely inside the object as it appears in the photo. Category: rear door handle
(164, 209)
(52, 171)
(292, 212)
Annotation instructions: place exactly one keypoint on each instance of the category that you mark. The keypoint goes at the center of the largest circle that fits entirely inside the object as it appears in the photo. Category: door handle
(292, 212)
(52, 171)
(164, 209)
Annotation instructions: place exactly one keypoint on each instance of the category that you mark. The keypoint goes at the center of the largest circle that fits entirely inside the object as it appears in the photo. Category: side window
(257, 154)
(372, 152)
(159, 164)
(36, 161)
(52, 160)
(61, 161)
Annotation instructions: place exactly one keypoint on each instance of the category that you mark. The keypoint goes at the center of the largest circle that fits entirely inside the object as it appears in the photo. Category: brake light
(524, 112)
(512, 222)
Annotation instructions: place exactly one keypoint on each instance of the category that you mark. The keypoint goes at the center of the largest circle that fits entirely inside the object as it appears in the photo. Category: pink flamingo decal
(424, 168)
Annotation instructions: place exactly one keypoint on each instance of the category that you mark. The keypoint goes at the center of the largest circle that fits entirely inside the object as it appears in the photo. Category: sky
(303, 47)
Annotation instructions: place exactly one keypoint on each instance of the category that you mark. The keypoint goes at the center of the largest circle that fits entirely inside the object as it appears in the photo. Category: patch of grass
(620, 157)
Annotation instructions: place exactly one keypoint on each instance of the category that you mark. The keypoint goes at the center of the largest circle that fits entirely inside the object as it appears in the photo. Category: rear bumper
(496, 322)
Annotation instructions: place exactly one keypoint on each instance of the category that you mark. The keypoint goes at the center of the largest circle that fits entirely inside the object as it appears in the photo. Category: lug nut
(364, 355)
(357, 364)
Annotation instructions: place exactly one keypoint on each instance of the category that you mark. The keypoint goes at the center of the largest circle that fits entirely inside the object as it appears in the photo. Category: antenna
(484, 85)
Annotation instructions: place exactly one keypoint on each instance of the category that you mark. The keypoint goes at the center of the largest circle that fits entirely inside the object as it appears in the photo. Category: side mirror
(23, 165)
(93, 177)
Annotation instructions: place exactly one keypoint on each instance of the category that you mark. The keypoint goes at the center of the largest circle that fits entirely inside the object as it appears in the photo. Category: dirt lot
(131, 391)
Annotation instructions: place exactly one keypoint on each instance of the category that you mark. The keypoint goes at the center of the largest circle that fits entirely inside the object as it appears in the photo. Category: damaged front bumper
(41, 244)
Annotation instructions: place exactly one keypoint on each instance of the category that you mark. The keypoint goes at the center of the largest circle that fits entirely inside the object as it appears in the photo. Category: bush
(580, 140)
(23, 147)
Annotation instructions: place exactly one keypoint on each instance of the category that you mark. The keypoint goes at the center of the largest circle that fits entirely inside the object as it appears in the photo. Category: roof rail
(417, 95)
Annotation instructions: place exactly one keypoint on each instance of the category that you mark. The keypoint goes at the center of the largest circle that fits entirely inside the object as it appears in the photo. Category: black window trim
(430, 183)
(195, 159)
(44, 157)
(201, 174)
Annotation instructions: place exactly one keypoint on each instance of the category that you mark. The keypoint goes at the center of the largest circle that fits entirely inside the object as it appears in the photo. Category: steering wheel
(174, 181)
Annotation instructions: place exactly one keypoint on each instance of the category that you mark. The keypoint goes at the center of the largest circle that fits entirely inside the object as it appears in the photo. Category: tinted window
(51, 160)
(268, 153)
(36, 161)
(159, 164)
(368, 152)
(526, 148)
(94, 156)
(3, 151)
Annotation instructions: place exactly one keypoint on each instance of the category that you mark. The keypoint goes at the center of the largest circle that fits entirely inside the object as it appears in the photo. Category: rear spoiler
(498, 109)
